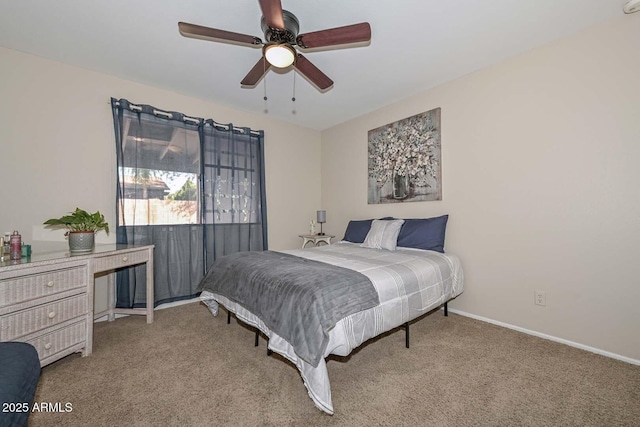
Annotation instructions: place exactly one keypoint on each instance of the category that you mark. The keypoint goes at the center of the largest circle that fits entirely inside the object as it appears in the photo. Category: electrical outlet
(540, 298)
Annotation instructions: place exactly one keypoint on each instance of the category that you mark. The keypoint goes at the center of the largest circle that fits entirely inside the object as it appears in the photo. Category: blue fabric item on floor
(19, 375)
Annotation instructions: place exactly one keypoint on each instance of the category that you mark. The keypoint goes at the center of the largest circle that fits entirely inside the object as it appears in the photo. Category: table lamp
(321, 218)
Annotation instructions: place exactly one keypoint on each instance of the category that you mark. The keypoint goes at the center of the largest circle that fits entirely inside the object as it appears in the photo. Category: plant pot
(81, 241)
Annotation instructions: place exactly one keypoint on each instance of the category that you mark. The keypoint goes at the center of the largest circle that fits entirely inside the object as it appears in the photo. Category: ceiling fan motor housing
(276, 35)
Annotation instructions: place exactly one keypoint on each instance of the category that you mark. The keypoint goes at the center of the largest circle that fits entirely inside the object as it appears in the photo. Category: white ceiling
(415, 45)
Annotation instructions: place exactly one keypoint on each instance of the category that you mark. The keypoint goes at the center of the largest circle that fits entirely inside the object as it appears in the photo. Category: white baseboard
(106, 317)
(160, 307)
(549, 337)
(177, 303)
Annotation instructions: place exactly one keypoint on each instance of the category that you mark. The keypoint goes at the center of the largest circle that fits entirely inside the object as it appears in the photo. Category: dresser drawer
(28, 287)
(31, 320)
(113, 262)
(60, 339)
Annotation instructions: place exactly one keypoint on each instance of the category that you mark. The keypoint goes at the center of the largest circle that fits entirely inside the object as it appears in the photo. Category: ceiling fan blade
(256, 73)
(272, 12)
(206, 33)
(312, 72)
(336, 36)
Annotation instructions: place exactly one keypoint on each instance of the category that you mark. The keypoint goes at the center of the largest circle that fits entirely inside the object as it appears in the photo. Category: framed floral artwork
(404, 160)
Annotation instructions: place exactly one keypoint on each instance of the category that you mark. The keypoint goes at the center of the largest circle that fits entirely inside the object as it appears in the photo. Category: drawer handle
(50, 283)
(47, 346)
(52, 314)
(125, 259)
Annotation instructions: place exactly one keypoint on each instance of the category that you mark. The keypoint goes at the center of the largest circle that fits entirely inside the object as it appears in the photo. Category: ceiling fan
(280, 29)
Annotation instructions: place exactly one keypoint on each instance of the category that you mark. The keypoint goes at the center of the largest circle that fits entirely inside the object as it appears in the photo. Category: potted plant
(81, 228)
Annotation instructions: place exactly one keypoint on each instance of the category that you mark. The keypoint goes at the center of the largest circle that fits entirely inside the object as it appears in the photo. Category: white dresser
(47, 299)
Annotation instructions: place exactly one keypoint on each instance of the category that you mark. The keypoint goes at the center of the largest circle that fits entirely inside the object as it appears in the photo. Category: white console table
(316, 239)
(47, 299)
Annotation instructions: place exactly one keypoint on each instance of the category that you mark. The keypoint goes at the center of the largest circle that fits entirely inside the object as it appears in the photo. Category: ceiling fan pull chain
(293, 97)
(265, 90)
(266, 109)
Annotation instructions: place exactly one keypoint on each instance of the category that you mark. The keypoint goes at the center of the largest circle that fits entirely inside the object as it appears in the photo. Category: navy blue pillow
(427, 233)
(357, 230)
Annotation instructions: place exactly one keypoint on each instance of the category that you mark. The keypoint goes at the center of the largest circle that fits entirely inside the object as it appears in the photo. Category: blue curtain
(193, 188)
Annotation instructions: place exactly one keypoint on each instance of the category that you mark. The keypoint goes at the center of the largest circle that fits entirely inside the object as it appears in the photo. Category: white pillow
(383, 234)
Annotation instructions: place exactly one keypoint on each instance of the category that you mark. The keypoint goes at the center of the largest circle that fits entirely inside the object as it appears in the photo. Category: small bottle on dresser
(16, 245)
(5, 246)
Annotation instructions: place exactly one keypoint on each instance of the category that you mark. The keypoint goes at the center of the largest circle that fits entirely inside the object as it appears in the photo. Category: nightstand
(316, 239)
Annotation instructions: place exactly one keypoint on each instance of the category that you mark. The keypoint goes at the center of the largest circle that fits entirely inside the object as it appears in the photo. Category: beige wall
(57, 149)
(540, 179)
(52, 115)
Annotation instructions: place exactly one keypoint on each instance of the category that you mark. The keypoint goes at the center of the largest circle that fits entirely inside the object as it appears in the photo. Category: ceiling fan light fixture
(279, 55)
(631, 6)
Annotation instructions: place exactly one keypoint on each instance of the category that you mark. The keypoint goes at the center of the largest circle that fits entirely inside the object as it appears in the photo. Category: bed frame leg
(446, 309)
(406, 334)
(269, 352)
(228, 317)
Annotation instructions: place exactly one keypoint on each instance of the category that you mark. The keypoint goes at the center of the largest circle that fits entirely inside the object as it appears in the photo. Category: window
(160, 173)
(231, 171)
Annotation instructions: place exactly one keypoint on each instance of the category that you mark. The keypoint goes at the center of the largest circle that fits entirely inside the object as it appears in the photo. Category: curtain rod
(191, 119)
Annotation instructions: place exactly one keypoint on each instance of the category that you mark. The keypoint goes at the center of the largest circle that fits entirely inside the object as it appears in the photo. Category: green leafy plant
(80, 220)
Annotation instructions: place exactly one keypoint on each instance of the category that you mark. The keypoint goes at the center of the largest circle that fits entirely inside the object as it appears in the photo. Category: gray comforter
(299, 299)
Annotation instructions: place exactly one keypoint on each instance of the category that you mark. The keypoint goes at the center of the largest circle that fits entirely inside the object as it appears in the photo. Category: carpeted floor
(189, 368)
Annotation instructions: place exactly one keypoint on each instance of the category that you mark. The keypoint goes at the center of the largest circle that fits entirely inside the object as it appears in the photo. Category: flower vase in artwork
(400, 185)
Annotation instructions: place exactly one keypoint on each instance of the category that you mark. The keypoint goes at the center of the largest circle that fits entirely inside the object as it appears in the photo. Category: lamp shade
(321, 216)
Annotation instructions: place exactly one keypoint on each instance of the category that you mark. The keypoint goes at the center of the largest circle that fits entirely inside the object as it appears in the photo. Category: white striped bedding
(409, 282)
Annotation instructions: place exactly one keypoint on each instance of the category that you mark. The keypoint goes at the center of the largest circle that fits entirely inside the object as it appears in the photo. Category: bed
(408, 283)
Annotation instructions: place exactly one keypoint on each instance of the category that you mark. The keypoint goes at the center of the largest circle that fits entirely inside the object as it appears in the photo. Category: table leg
(150, 285)
(111, 296)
